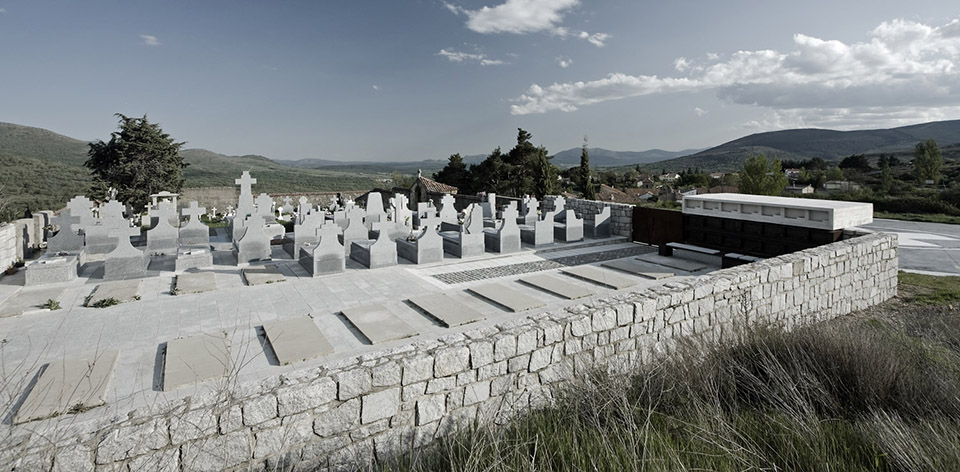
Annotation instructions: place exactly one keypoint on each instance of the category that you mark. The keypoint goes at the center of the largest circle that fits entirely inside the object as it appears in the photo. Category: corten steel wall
(657, 226)
(381, 404)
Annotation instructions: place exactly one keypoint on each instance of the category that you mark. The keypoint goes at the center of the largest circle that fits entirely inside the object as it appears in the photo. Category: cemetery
(370, 328)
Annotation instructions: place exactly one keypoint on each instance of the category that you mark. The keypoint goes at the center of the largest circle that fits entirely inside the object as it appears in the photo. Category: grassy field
(934, 218)
(875, 390)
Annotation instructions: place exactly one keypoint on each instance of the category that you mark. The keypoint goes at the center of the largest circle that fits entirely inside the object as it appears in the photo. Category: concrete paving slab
(196, 282)
(636, 268)
(446, 308)
(377, 323)
(296, 339)
(70, 385)
(557, 286)
(673, 262)
(27, 300)
(120, 290)
(600, 276)
(195, 359)
(512, 299)
(267, 274)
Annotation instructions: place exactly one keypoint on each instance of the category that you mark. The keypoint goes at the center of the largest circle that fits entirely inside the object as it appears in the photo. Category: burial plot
(528, 210)
(69, 385)
(254, 245)
(401, 215)
(121, 291)
(447, 309)
(511, 299)
(599, 277)
(378, 324)
(196, 282)
(196, 359)
(328, 256)
(375, 253)
(268, 274)
(427, 247)
(163, 238)
(374, 212)
(67, 239)
(597, 226)
(194, 233)
(125, 261)
(568, 228)
(52, 268)
(557, 286)
(505, 238)
(448, 210)
(296, 339)
(245, 205)
(26, 301)
(82, 208)
(468, 240)
(636, 268)
(355, 230)
(540, 233)
(193, 257)
(685, 265)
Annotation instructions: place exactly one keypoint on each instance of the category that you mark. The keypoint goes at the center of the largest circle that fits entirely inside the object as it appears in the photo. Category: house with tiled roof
(424, 187)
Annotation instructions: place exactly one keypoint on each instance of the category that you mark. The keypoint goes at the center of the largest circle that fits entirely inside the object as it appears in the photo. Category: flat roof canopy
(807, 212)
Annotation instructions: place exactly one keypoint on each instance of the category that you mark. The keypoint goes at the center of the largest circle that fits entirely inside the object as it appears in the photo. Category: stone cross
(430, 220)
(448, 212)
(245, 205)
(214, 210)
(195, 210)
(264, 205)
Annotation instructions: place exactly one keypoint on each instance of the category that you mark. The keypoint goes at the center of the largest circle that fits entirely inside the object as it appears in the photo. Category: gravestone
(600, 276)
(195, 359)
(120, 290)
(194, 233)
(304, 233)
(490, 206)
(303, 207)
(69, 385)
(82, 208)
(448, 210)
(373, 254)
(375, 213)
(193, 257)
(568, 228)
(467, 240)
(598, 225)
(559, 205)
(528, 210)
(196, 282)
(557, 286)
(427, 247)
(296, 339)
(505, 238)
(509, 298)
(245, 205)
(327, 257)
(52, 268)
(163, 238)
(41, 221)
(636, 268)
(263, 275)
(401, 215)
(67, 239)
(125, 261)
(378, 324)
(540, 232)
(265, 208)
(164, 209)
(287, 207)
(254, 245)
(103, 235)
(450, 311)
(424, 210)
(355, 230)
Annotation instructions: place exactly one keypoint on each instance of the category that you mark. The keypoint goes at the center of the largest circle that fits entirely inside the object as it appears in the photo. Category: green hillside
(40, 169)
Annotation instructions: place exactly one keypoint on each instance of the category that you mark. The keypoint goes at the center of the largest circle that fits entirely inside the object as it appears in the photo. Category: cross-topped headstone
(67, 239)
(473, 219)
(245, 206)
(265, 206)
(82, 208)
(194, 211)
(448, 212)
(559, 204)
(400, 211)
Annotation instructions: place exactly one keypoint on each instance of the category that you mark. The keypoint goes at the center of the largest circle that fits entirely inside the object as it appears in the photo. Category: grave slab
(557, 286)
(447, 309)
(672, 262)
(268, 274)
(378, 323)
(52, 268)
(193, 257)
(512, 299)
(27, 301)
(636, 268)
(600, 277)
(121, 290)
(69, 385)
(196, 282)
(195, 359)
(296, 339)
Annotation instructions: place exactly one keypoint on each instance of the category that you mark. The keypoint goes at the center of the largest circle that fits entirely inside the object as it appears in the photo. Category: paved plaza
(235, 308)
(932, 248)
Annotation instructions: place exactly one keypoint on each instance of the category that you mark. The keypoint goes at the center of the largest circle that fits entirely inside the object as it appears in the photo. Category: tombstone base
(318, 264)
(193, 257)
(130, 267)
(51, 269)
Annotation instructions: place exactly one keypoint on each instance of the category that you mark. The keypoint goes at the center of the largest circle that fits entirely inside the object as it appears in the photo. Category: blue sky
(423, 79)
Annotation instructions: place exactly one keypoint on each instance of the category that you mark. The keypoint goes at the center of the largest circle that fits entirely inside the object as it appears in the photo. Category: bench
(733, 259)
(698, 253)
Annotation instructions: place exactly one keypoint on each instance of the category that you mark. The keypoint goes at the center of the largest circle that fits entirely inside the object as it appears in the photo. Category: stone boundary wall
(621, 215)
(382, 404)
(8, 245)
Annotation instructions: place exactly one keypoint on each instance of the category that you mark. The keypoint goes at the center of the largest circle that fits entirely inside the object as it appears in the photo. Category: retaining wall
(382, 404)
(8, 245)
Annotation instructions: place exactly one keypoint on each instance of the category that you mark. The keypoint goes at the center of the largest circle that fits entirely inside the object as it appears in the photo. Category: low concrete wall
(621, 215)
(8, 245)
(381, 404)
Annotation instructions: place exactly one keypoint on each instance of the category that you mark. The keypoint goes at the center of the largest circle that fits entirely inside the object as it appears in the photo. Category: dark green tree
(835, 173)
(584, 177)
(139, 160)
(454, 173)
(886, 178)
(927, 161)
(488, 176)
(545, 175)
(855, 161)
(760, 177)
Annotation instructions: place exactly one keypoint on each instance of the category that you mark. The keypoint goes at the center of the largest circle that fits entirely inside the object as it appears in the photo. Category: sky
(424, 79)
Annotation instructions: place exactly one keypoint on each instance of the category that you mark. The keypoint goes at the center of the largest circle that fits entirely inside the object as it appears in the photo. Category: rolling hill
(600, 157)
(799, 144)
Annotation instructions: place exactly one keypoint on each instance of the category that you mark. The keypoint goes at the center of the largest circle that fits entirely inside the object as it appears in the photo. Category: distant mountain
(798, 144)
(600, 157)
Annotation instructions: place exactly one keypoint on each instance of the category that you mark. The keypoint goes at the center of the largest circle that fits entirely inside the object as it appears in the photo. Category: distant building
(724, 189)
(669, 177)
(422, 188)
(796, 189)
(841, 186)
(607, 193)
(792, 174)
(717, 175)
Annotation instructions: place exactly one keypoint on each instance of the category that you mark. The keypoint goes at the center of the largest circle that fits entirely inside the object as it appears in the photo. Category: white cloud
(700, 111)
(150, 40)
(564, 61)
(3, 10)
(902, 65)
(524, 17)
(376, 88)
(713, 56)
(479, 58)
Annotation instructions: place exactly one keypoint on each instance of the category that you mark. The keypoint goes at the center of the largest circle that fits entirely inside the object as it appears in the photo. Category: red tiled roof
(434, 186)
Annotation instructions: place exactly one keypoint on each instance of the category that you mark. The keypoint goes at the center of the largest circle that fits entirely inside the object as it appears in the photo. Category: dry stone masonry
(380, 404)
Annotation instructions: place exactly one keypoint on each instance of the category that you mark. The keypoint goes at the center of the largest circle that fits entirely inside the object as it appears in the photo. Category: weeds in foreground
(50, 304)
(105, 302)
(853, 394)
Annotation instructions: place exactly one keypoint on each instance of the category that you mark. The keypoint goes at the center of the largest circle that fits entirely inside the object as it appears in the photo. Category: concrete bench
(733, 259)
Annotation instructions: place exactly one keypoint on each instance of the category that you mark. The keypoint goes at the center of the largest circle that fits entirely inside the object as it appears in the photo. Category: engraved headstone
(163, 238)
(102, 236)
(506, 237)
(529, 209)
(467, 241)
(194, 233)
(448, 211)
(124, 261)
(375, 213)
(254, 245)
(82, 208)
(328, 256)
(66, 239)
(355, 230)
